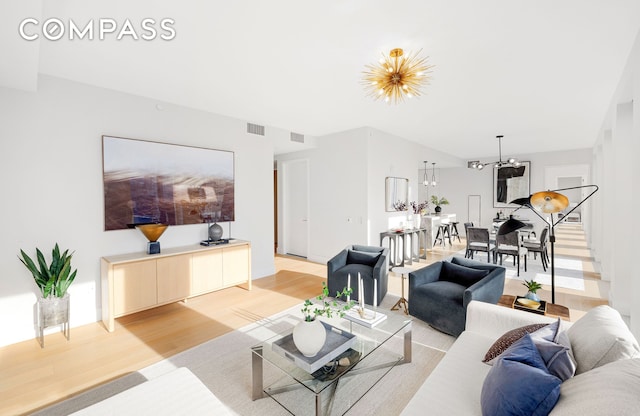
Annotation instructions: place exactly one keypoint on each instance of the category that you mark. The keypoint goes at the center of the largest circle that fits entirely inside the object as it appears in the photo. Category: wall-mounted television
(151, 182)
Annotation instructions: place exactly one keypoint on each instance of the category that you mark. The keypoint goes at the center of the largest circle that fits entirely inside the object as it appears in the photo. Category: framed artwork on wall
(511, 183)
(152, 182)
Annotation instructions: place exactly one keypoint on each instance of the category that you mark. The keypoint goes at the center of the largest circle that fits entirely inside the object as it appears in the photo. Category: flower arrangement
(327, 307)
(419, 208)
(400, 205)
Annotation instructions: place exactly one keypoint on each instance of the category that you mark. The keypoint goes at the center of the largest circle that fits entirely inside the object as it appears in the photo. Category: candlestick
(360, 292)
(375, 293)
(348, 287)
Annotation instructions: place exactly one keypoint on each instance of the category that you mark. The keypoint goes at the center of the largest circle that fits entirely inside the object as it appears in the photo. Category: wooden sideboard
(137, 281)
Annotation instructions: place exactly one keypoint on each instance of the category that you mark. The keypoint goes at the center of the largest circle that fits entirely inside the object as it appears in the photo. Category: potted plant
(438, 201)
(309, 335)
(53, 280)
(532, 287)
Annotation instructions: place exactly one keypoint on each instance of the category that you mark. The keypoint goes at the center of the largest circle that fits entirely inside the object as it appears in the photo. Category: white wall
(615, 156)
(51, 164)
(337, 193)
(393, 156)
(347, 186)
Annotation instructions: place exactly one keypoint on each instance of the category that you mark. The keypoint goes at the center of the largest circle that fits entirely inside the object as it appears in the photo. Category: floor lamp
(547, 202)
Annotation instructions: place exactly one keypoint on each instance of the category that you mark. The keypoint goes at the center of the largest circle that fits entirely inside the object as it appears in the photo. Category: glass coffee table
(375, 352)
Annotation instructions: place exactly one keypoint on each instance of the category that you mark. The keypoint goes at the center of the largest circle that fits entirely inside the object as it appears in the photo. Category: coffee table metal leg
(407, 343)
(257, 391)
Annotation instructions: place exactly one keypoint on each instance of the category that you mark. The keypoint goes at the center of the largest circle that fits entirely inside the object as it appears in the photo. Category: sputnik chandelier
(511, 162)
(397, 76)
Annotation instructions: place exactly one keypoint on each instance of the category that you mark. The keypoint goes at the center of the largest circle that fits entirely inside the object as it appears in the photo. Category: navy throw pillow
(362, 257)
(519, 383)
(461, 275)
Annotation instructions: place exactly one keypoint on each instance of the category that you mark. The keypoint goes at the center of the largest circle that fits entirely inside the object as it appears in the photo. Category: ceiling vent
(297, 137)
(255, 129)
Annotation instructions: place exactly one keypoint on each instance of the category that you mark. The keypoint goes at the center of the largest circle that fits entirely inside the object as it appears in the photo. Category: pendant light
(425, 180)
(433, 175)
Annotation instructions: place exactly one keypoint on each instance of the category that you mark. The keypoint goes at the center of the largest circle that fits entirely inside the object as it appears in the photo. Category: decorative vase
(532, 296)
(309, 337)
(438, 209)
(417, 219)
(152, 231)
(215, 232)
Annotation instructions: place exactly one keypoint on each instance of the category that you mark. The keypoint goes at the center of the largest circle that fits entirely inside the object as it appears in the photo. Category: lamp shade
(522, 201)
(549, 202)
(510, 226)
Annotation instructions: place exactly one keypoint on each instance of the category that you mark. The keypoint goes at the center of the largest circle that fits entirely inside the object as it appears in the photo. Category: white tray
(337, 342)
(369, 320)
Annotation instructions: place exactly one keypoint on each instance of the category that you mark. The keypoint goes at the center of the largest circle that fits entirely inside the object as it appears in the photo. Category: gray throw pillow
(555, 349)
(461, 275)
(362, 257)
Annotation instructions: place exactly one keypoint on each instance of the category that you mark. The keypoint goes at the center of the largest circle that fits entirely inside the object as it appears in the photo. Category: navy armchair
(439, 293)
(372, 264)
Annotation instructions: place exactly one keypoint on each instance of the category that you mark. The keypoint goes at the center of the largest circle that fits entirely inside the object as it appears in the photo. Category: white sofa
(455, 385)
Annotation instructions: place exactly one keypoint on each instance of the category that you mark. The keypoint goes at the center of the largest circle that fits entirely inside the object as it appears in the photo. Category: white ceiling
(542, 73)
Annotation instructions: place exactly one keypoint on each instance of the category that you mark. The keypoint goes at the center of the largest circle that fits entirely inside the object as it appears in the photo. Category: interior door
(474, 214)
(296, 204)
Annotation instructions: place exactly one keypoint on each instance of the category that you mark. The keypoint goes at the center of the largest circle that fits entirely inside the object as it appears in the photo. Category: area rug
(569, 272)
(224, 366)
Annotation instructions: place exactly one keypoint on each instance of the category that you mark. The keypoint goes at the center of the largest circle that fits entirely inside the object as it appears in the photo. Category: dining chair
(539, 246)
(509, 245)
(467, 253)
(478, 240)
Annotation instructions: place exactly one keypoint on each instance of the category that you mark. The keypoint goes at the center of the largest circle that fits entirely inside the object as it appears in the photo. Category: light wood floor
(32, 377)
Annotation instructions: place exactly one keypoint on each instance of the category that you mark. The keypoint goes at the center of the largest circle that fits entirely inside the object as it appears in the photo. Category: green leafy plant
(327, 307)
(532, 285)
(52, 279)
(439, 201)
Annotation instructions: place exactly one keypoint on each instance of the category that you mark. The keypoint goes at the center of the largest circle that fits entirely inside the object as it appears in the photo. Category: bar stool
(443, 232)
(453, 231)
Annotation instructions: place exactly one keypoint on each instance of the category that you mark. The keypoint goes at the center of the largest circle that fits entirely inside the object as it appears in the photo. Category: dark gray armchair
(370, 262)
(439, 293)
